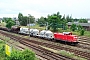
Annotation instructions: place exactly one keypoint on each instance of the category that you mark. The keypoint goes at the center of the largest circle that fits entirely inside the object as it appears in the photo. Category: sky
(38, 8)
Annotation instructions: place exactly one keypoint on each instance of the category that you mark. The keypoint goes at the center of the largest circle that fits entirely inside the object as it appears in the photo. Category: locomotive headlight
(75, 37)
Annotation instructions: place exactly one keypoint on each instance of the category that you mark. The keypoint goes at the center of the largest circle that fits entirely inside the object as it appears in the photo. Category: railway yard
(50, 50)
(45, 30)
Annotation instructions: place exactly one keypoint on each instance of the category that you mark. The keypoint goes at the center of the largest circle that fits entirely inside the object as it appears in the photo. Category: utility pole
(47, 26)
(29, 24)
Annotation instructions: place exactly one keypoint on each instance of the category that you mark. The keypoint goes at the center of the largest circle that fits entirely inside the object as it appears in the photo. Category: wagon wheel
(65, 43)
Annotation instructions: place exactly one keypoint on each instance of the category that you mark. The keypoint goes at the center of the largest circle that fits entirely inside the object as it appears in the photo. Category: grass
(35, 27)
(2, 57)
(71, 55)
(4, 38)
(2, 43)
(65, 53)
(87, 33)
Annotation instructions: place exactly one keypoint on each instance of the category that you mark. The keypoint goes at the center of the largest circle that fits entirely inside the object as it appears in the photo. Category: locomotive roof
(66, 32)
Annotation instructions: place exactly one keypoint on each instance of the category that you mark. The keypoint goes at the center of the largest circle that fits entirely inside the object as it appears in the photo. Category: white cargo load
(34, 32)
(49, 35)
(31, 31)
(46, 34)
(24, 30)
(42, 34)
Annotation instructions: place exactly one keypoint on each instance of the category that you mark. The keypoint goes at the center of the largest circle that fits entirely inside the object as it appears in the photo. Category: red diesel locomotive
(66, 36)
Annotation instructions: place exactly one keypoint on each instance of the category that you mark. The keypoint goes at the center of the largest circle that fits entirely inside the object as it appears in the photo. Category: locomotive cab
(67, 33)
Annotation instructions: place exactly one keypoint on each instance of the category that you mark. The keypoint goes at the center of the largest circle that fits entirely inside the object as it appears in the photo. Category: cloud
(37, 8)
(8, 15)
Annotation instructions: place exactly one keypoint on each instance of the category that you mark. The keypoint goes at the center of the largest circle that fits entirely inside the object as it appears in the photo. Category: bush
(2, 50)
(82, 32)
(21, 55)
(28, 55)
(2, 47)
(15, 55)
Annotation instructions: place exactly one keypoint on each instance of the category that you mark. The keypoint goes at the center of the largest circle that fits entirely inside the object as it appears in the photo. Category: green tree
(64, 21)
(4, 19)
(54, 22)
(7, 20)
(58, 15)
(76, 20)
(20, 18)
(79, 27)
(69, 18)
(73, 27)
(24, 21)
(10, 24)
(41, 21)
(83, 21)
(31, 18)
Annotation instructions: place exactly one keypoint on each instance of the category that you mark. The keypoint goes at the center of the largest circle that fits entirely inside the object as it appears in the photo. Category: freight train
(45, 34)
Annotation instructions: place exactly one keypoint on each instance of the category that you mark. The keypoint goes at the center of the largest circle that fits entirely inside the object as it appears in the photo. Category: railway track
(84, 42)
(82, 54)
(22, 48)
(83, 45)
(41, 51)
(76, 52)
(84, 39)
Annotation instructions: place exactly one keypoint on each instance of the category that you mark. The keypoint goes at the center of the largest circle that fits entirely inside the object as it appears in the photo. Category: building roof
(82, 24)
(88, 19)
(0, 18)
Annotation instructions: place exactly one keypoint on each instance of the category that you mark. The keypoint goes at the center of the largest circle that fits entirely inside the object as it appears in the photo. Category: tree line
(54, 21)
(24, 20)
